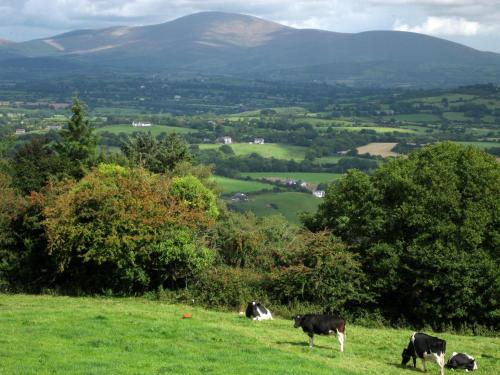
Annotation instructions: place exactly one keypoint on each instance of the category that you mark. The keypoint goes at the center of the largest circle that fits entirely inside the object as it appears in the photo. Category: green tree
(127, 230)
(79, 144)
(427, 229)
(159, 156)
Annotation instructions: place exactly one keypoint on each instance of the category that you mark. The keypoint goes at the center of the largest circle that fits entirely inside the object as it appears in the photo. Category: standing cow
(425, 347)
(321, 325)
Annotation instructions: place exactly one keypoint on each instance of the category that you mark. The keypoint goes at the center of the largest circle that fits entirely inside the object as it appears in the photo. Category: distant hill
(215, 43)
(5, 42)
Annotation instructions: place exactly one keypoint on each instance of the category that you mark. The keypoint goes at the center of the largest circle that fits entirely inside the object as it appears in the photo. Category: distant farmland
(268, 150)
(378, 149)
(288, 204)
(232, 185)
(310, 177)
(155, 129)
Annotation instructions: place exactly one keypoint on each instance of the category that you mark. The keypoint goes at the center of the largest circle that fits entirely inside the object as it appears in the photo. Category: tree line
(414, 243)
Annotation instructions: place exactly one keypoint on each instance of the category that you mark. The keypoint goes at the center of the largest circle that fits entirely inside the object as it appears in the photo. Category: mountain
(5, 42)
(214, 43)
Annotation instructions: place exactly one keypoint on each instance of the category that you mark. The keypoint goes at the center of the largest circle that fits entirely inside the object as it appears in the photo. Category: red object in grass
(186, 316)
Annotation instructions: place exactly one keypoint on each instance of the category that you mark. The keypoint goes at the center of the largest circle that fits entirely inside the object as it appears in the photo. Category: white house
(140, 124)
(319, 193)
(54, 127)
(20, 131)
(258, 141)
(226, 140)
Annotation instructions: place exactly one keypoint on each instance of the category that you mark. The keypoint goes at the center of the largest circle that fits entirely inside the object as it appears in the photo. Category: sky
(475, 23)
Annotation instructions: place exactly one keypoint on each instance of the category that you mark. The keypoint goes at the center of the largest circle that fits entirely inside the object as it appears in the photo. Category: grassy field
(268, 150)
(288, 204)
(481, 145)
(61, 335)
(155, 129)
(378, 148)
(311, 177)
(231, 185)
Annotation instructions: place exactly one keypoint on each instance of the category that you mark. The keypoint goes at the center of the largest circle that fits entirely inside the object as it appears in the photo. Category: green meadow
(481, 145)
(288, 204)
(232, 185)
(268, 150)
(310, 177)
(62, 335)
(154, 129)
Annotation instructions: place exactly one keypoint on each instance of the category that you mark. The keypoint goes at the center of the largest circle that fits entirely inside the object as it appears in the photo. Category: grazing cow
(321, 325)
(424, 347)
(256, 311)
(462, 361)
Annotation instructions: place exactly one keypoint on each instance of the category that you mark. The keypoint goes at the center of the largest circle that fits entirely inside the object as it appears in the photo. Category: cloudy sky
(473, 22)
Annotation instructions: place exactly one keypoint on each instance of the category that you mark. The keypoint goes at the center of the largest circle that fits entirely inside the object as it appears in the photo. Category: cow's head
(297, 321)
(406, 355)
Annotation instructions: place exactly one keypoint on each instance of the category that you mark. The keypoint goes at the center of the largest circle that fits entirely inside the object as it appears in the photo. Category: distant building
(54, 127)
(226, 140)
(238, 197)
(343, 152)
(140, 124)
(177, 98)
(258, 141)
(20, 131)
(319, 193)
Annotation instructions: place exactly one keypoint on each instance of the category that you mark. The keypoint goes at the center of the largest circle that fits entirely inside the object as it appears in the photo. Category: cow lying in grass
(425, 347)
(321, 325)
(256, 311)
(462, 361)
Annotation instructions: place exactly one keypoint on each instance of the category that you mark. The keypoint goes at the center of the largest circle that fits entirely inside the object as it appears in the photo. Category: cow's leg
(441, 363)
(414, 361)
(423, 364)
(341, 338)
(311, 341)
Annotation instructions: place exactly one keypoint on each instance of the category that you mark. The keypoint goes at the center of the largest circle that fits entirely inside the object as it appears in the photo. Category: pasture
(155, 129)
(232, 185)
(268, 150)
(378, 149)
(481, 145)
(62, 335)
(310, 177)
(288, 204)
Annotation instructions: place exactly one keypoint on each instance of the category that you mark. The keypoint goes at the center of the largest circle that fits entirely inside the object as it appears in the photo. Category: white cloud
(442, 26)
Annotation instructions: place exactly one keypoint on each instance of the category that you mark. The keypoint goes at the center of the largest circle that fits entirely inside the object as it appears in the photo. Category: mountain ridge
(218, 43)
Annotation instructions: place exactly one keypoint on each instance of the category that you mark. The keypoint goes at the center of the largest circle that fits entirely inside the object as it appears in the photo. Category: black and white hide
(256, 311)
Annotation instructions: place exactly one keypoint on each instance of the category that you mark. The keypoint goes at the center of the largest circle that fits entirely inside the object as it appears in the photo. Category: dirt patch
(378, 149)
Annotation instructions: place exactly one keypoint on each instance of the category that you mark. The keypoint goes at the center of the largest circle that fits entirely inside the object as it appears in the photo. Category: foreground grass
(61, 335)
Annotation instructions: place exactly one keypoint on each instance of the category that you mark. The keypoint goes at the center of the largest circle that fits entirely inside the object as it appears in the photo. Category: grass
(61, 335)
(417, 117)
(231, 185)
(155, 129)
(481, 145)
(311, 177)
(288, 204)
(268, 150)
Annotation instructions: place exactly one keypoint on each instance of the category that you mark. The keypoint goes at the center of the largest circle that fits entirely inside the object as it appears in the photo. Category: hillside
(215, 43)
(61, 335)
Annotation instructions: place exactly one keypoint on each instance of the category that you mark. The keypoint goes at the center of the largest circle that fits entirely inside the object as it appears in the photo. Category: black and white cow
(425, 347)
(321, 325)
(462, 361)
(256, 311)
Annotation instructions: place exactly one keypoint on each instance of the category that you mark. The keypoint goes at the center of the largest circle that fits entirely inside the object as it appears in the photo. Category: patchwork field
(288, 204)
(155, 129)
(481, 145)
(232, 185)
(378, 149)
(268, 150)
(310, 177)
(61, 335)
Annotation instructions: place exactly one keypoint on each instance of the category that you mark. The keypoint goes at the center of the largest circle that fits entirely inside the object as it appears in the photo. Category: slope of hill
(245, 46)
(132, 335)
